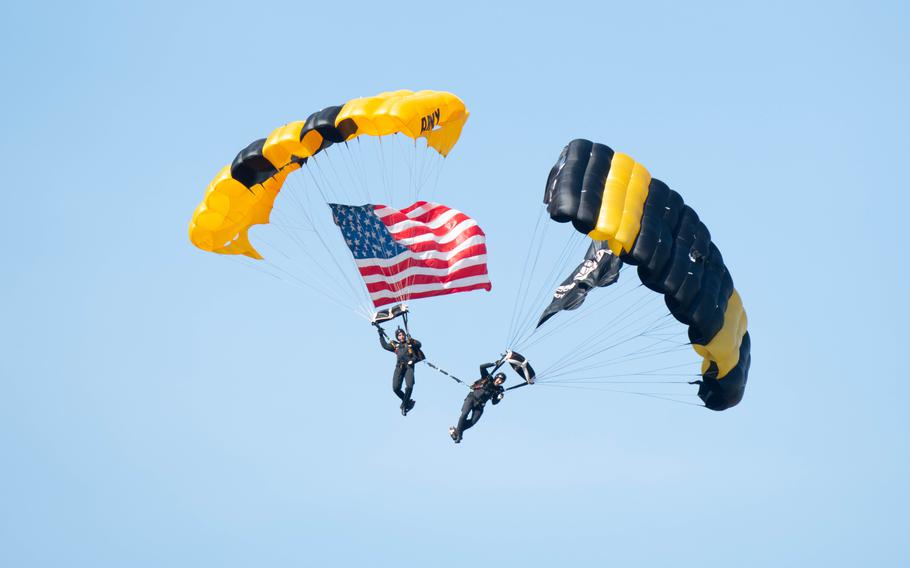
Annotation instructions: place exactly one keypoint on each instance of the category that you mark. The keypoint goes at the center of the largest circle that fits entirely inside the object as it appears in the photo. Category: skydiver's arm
(498, 396)
(385, 344)
(415, 343)
(483, 369)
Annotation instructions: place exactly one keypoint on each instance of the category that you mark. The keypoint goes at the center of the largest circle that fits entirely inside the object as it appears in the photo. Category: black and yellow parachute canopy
(610, 197)
(243, 193)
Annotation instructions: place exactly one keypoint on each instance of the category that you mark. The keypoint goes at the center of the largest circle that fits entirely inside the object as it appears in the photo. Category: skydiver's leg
(465, 410)
(408, 382)
(396, 383)
(476, 413)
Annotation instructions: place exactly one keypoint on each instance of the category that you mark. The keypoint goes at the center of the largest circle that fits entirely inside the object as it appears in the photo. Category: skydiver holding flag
(407, 350)
(485, 388)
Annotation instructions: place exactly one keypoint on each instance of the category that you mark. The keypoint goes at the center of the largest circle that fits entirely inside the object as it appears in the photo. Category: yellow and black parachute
(243, 193)
(611, 198)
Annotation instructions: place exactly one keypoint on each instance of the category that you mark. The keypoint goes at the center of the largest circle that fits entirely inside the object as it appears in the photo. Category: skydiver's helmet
(501, 377)
(400, 334)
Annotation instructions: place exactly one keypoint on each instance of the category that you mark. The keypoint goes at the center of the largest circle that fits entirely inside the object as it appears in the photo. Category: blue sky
(166, 407)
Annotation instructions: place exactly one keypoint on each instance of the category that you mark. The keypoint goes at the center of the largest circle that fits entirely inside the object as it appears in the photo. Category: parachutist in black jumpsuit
(484, 389)
(406, 349)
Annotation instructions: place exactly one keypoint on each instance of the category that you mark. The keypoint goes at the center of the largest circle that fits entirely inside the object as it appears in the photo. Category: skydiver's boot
(454, 435)
(406, 406)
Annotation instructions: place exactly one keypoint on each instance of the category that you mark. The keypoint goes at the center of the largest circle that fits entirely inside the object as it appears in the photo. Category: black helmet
(399, 330)
(498, 376)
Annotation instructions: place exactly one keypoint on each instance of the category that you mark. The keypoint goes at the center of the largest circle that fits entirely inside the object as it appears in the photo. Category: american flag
(424, 250)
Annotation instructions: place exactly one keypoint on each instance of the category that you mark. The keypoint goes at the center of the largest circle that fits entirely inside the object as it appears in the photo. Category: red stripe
(433, 213)
(391, 300)
(446, 247)
(438, 232)
(476, 270)
(424, 217)
(395, 217)
(409, 208)
(422, 263)
(405, 211)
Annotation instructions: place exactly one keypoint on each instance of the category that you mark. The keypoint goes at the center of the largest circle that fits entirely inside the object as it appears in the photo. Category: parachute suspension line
(659, 396)
(400, 286)
(439, 166)
(585, 381)
(417, 164)
(544, 286)
(291, 235)
(311, 170)
(387, 178)
(404, 318)
(357, 309)
(355, 173)
(358, 159)
(386, 175)
(647, 352)
(575, 358)
(409, 162)
(428, 164)
(608, 324)
(627, 358)
(574, 317)
(303, 248)
(525, 276)
(652, 347)
(412, 163)
(292, 278)
(344, 274)
(564, 262)
(350, 180)
(525, 327)
(625, 312)
(359, 163)
(530, 308)
(609, 330)
(658, 372)
(437, 162)
(357, 290)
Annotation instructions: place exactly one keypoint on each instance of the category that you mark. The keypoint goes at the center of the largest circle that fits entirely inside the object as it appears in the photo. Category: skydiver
(407, 350)
(485, 388)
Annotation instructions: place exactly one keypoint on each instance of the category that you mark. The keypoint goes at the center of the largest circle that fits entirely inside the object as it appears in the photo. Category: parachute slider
(383, 316)
(521, 366)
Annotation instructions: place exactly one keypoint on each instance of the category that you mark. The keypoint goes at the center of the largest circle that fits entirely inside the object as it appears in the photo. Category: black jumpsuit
(482, 390)
(406, 352)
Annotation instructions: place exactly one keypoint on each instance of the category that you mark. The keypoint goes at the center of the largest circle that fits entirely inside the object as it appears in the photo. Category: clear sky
(162, 406)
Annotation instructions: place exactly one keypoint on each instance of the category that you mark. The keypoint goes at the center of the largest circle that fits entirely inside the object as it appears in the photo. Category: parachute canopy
(611, 198)
(242, 194)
